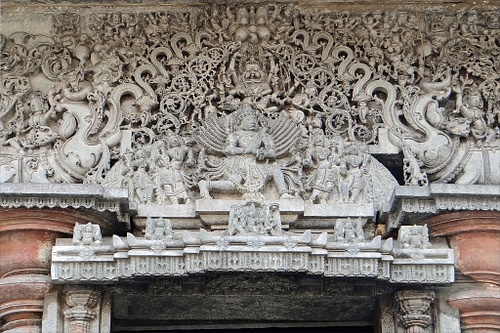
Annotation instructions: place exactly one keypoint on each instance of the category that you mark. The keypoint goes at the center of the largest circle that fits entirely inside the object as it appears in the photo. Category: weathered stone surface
(474, 236)
(26, 239)
(173, 112)
(479, 309)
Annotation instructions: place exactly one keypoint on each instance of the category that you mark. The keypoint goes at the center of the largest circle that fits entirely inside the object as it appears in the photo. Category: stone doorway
(246, 303)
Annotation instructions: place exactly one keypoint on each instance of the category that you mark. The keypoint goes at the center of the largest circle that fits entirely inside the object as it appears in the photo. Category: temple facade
(322, 166)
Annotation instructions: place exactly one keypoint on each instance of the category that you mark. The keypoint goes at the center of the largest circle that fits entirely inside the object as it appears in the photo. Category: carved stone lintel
(204, 251)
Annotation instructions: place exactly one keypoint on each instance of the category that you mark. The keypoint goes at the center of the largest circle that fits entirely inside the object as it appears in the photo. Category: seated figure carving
(86, 234)
(250, 152)
(349, 231)
(158, 229)
(414, 237)
(255, 218)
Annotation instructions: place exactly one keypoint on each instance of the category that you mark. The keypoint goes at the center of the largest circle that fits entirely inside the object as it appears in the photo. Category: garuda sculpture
(265, 101)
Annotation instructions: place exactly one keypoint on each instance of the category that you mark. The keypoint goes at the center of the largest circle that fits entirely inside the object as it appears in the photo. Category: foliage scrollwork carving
(253, 100)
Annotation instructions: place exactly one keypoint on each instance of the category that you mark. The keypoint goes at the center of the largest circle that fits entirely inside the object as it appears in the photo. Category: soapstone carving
(323, 156)
(255, 218)
(349, 230)
(87, 241)
(258, 102)
(158, 236)
(86, 234)
(250, 153)
(415, 237)
(170, 180)
(158, 229)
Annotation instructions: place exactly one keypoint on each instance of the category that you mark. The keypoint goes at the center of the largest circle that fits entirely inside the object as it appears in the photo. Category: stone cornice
(464, 222)
(435, 199)
(94, 197)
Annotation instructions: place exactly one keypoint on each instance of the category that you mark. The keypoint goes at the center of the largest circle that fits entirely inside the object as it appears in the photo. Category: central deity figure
(250, 152)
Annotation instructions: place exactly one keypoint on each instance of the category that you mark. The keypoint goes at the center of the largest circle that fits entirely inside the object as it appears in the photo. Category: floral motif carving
(155, 102)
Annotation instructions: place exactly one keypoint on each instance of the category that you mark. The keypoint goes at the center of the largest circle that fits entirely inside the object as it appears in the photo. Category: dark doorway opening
(306, 329)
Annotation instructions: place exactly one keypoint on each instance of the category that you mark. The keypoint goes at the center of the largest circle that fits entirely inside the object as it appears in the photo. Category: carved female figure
(170, 179)
(325, 176)
(36, 131)
(471, 107)
(354, 180)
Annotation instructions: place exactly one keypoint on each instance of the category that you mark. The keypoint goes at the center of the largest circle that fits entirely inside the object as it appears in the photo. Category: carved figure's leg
(218, 185)
(279, 182)
(356, 189)
(472, 171)
(149, 193)
(314, 196)
(204, 191)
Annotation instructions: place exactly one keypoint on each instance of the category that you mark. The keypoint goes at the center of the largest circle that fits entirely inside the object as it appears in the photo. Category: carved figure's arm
(232, 146)
(191, 159)
(269, 148)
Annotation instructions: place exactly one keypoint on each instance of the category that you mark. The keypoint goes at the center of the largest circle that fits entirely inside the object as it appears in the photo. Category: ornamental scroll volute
(257, 101)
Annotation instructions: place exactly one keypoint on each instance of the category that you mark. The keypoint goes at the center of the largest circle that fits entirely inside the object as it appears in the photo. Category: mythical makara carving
(256, 101)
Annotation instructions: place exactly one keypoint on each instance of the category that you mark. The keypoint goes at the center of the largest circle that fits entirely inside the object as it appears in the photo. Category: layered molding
(437, 199)
(251, 245)
(474, 236)
(479, 310)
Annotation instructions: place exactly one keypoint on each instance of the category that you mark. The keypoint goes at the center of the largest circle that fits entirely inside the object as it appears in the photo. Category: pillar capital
(415, 306)
(26, 239)
(479, 309)
(475, 239)
(81, 312)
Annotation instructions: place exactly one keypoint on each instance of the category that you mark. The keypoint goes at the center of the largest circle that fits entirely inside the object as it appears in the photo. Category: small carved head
(473, 97)
(246, 118)
(37, 102)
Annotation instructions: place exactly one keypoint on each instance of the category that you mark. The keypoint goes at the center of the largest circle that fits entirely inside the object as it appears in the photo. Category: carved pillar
(415, 310)
(475, 239)
(479, 310)
(81, 310)
(26, 240)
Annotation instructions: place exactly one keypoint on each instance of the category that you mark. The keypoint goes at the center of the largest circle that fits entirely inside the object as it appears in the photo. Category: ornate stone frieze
(258, 101)
(181, 108)
(254, 218)
(163, 252)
